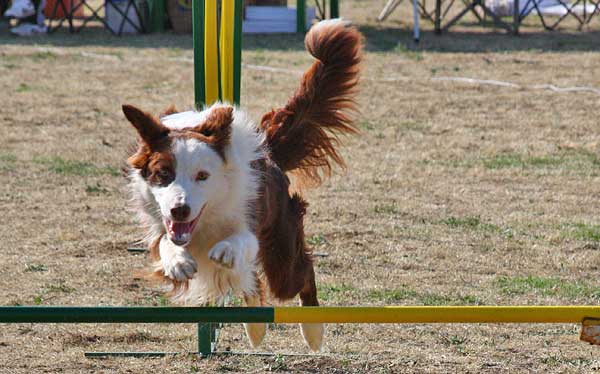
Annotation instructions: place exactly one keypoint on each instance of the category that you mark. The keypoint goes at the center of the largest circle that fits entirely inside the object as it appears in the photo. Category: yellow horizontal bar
(437, 314)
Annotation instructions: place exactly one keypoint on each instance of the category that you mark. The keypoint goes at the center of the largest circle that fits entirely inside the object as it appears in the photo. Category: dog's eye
(202, 176)
(164, 176)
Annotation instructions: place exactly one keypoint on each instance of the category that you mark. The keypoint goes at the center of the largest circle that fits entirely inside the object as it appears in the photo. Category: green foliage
(7, 161)
(68, 167)
(36, 267)
(579, 161)
(335, 292)
(522, 162)
(42, 56)
(413, 125)
(23, 88)
(546, 286)
(96, 190)
(470, 222)
(403, 50)
(58, 287)
(389, 208)
(316, 240)
(583, 231)
(393, 295)
(431, 299)
(366, 125)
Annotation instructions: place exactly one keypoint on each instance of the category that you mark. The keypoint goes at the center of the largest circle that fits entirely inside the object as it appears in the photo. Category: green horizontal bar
(111, 314)
(389, 314)
(129, 354)
(136, 249)
(215, 353)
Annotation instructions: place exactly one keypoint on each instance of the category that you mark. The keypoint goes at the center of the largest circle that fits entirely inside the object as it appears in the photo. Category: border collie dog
(212, 190)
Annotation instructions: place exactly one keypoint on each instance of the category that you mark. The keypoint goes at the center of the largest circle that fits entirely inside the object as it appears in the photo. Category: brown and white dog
(211, 187)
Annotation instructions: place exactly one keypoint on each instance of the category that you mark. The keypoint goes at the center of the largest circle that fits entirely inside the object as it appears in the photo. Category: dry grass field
(456, 193)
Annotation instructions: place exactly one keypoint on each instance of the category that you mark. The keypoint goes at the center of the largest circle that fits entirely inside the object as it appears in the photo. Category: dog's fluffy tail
(302, 136)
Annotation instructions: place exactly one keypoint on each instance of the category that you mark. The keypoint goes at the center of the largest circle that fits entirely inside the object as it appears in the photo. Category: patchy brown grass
(455, 194)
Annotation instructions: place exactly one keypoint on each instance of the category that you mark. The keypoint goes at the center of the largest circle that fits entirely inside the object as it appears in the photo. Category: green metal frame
(198, 42)
(209, 320)
(237, 51)
(334, 9)
(301, 16)
(126, 314)
(157, 15)
(334, 12)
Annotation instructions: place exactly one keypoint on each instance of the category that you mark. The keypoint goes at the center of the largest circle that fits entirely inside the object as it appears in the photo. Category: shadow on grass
(464, 40)
(395, 38)
(95, 35)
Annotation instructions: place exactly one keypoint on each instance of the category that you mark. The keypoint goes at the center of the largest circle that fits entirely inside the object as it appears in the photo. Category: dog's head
(182, 166)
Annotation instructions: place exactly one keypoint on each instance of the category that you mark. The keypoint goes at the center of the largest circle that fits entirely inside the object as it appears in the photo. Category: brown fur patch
(302, 136)
(150, 130)
(286, 261)
(216, 130)
(153, 157)
(157, 166)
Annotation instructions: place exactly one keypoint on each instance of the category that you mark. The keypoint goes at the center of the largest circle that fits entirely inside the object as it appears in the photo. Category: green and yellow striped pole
(217, 77)
(217, 51)
(358, 314)
(210, 317)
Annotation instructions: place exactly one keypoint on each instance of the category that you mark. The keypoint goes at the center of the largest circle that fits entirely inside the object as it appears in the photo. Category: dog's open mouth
(180, 233)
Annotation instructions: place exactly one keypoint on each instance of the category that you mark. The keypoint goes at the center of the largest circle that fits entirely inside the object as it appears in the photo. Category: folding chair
(391, 5)
(561, 9)
(96, 14)
(321, 6)
(441, 9)
(471, 6)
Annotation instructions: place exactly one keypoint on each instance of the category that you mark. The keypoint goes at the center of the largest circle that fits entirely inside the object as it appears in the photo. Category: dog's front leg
(238, 253)
(236, 250)
(176, 261)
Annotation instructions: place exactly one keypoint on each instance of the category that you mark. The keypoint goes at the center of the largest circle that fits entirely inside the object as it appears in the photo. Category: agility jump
(217, 78)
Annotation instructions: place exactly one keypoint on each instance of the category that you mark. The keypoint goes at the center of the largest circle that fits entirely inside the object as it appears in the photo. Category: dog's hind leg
(255, 331)
(311, 332)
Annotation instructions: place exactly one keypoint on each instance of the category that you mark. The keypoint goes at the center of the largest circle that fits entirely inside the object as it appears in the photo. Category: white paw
(255, 333)
(313, 335)
(180, 267)
(223, 254)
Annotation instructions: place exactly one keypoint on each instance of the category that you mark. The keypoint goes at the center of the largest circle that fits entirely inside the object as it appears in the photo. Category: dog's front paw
(223, 254)
(180, 267)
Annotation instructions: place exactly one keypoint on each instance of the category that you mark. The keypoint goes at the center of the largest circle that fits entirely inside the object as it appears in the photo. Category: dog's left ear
(149, 128)
(217, 127)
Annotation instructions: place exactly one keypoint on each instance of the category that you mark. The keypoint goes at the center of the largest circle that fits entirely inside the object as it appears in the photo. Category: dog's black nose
(181, 212)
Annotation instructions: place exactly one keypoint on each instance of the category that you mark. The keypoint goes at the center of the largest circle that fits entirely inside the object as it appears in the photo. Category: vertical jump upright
(217, 77)
(217, 39)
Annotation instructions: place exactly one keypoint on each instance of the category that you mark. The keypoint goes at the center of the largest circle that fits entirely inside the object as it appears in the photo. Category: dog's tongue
(180, 232)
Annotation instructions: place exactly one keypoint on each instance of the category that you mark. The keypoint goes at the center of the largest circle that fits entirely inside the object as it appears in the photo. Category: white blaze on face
(191, 158)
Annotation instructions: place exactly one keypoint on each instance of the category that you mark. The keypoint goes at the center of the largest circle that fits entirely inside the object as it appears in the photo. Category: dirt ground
(456, 193)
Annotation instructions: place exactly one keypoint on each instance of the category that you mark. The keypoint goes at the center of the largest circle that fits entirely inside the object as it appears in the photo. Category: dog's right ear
(149, 128)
